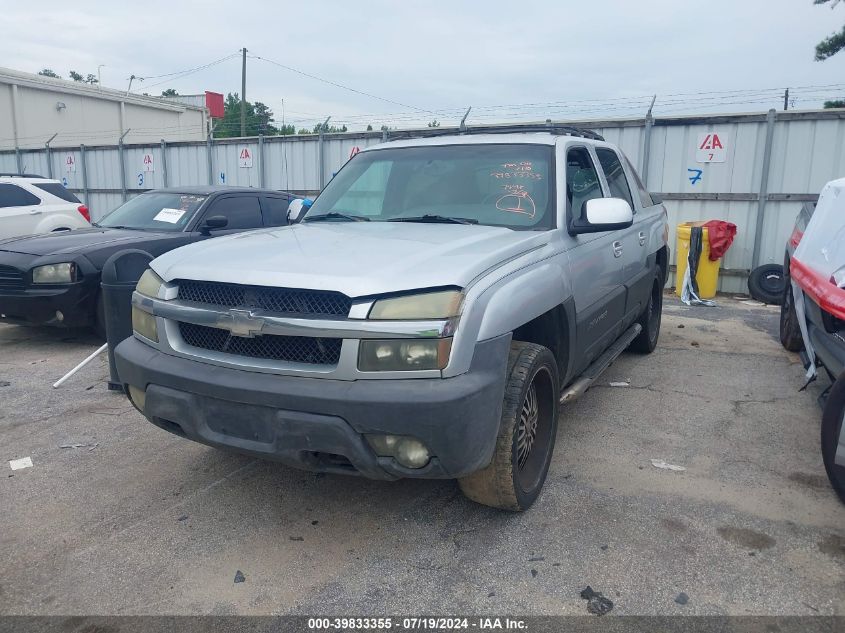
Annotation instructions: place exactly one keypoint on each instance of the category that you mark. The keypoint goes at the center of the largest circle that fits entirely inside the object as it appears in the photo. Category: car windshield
(155, 211)
(495, 185)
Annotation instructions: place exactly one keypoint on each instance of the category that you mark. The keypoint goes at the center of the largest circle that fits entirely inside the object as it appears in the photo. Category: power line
(184, 73)
(337, 85)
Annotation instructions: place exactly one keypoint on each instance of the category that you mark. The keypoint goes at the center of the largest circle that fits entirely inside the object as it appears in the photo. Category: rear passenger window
(275, 211)
(14, 196)
(645, 196)
(58, 190)
(582, 181)
(615, 175)
(243, 212)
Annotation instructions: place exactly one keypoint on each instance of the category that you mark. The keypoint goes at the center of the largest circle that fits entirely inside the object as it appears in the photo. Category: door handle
(641, 236)
(35, 212)
(617, 249)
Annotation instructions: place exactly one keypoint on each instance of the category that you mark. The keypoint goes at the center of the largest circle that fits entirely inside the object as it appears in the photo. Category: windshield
(494, 185)
(156, 211)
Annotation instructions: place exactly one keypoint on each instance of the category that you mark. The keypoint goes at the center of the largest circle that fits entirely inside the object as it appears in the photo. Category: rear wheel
(527, 431)
(649, 320)
(832, 420)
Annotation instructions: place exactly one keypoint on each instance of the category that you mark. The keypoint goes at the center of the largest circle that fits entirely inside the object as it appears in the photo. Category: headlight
(149, 283)
(429, 305)
(404, 354)
(144, 324)
(64, 273)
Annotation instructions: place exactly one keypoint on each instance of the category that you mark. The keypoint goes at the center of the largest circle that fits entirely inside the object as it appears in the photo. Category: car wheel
(766, 283)
(832, 419)
(790, 331)
(100, 318)
(525, 443)
(650, 320)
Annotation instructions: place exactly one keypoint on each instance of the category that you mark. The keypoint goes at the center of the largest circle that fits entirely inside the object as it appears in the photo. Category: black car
(54, 279)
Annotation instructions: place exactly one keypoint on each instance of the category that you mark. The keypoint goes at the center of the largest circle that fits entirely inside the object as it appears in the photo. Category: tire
(832, 419)
(650, 320)
(99, 326)
(766, 283)
(790, 331)
(515, 476)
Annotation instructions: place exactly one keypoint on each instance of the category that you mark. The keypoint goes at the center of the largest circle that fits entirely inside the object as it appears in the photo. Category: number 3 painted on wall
(141, 180)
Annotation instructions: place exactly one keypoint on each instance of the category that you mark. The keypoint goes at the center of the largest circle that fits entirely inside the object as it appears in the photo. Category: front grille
(11, 278)
(293, 349)
(283, 300)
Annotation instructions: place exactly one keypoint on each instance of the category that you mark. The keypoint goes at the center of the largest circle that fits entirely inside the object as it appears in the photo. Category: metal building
(35, 110)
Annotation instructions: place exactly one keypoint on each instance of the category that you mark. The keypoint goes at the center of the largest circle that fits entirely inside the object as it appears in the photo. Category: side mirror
(297, 209)
(603, 214)
(656, 198)
(214, 222)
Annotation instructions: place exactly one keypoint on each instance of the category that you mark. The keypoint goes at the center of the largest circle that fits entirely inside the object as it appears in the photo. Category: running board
(604, 361)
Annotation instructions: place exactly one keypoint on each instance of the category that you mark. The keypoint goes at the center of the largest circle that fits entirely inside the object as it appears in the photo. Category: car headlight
(440, 304)
(144, 323)
(404, 354)
(149, 284)
(63, 273)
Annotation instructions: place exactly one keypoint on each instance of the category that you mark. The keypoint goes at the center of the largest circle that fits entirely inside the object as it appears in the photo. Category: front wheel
(790, 330)
(832, 420)
(526, 440)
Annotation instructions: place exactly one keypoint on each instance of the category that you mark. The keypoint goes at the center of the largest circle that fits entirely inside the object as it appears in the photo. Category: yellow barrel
(708, 272)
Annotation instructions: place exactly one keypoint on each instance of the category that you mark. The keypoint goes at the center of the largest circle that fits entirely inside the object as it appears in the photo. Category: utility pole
(786, 99)
(243, 94)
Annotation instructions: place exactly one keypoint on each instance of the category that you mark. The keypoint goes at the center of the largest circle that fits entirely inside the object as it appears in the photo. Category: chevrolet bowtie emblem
(242, 323)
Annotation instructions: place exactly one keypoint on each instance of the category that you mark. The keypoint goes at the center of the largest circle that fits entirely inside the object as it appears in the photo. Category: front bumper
(39, 306)
(318, 423)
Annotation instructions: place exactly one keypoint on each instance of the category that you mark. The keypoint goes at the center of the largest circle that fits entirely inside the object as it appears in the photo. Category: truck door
(20, 211)
(595, 263)
(636, 273)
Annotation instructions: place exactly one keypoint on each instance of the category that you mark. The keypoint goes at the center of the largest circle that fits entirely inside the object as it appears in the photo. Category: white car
(31, 205)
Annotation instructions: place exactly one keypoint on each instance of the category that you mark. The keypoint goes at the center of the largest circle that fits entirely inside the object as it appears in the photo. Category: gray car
(426, 317)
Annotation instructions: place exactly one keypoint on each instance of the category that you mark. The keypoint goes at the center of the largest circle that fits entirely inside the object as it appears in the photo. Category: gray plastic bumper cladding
(319, 424)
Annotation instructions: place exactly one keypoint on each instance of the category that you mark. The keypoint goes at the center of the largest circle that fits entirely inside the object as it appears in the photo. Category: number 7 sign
(710, 148)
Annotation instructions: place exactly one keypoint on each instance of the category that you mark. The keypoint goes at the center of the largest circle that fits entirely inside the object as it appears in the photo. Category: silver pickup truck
(425, 318)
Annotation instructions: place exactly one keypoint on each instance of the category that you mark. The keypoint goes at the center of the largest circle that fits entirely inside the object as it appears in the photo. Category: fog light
(138, 397)
(144, 323)
(59, 316)
(407, 451)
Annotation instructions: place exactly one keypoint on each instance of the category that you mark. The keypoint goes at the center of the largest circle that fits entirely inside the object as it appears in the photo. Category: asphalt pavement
(119, 517)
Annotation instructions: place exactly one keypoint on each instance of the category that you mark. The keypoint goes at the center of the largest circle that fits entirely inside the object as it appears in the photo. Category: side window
(275, 210)
(645, 196)
(243, 212)
(14, 196)
(58, 190)
(582, 180)
(615, 175)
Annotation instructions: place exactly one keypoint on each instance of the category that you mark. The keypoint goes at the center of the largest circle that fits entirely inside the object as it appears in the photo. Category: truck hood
(355, 258)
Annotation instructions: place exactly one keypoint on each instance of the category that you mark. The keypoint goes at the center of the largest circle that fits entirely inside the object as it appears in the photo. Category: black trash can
(121, 273)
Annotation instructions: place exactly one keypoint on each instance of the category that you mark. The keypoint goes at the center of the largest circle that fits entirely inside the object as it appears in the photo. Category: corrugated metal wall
(807, 150)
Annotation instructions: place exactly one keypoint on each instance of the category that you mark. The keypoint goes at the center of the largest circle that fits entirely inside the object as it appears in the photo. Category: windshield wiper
(334, 215)
(442, 219)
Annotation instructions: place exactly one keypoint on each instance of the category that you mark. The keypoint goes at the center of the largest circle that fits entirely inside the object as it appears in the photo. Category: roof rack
(11, 175)
(548, 128)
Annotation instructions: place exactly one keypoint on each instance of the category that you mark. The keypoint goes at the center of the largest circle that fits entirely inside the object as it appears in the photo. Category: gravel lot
(137, 521)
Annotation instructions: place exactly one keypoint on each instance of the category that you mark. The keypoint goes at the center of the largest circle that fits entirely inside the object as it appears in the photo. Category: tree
(434, 123)
(75, 75)
(369, 128)
(831, 45)
(259, 119)
(91, 79)
(170, 92)
(47, 72)
(838, 103)
(331, 129)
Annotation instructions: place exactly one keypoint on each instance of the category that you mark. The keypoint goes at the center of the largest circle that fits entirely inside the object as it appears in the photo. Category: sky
(421, 61)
